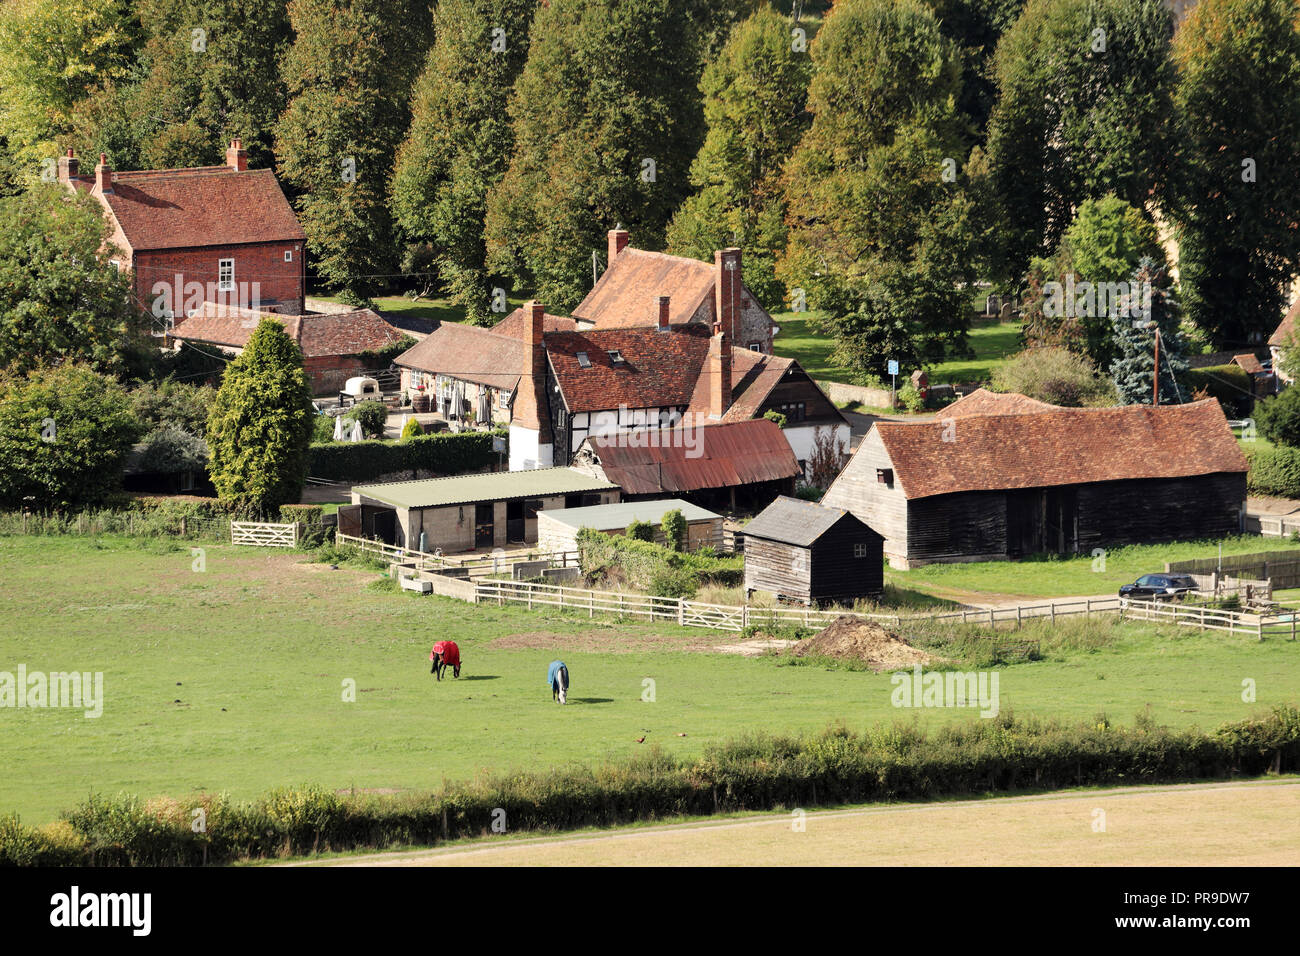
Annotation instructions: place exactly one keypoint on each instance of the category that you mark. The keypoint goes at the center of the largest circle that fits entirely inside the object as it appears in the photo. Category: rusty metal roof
(695, 456)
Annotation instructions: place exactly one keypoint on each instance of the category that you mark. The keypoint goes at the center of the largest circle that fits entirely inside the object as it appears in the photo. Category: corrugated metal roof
(619, 516)
(493, 486)
(793, 521)
(719, 455)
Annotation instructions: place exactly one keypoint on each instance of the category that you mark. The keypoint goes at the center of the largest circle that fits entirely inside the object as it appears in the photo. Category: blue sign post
(893, 376)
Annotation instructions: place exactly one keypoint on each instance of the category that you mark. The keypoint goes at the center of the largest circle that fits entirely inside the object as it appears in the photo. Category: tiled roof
(208, 206)
(753, 376)
(318, 334)
(1286, 327)
(627, 294)
(1063, 447)
(659, 369)
(694, 458)
(983, 402)
(515, 325)
(795, 521)
(1249, 362)
(468, 353)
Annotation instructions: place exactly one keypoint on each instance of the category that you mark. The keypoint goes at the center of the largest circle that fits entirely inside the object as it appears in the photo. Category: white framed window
(226, 275)
(288, 255)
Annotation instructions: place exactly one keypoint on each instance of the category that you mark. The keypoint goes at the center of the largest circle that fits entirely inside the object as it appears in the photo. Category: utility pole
(1155, 379)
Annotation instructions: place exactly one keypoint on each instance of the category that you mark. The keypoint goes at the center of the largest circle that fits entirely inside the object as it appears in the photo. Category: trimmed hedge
(1230, 384)
(756, 772)
(445, 454)
(1274, 472)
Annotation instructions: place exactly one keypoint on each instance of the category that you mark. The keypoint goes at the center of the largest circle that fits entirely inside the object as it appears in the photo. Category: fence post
(681, 612)
(1017, 615)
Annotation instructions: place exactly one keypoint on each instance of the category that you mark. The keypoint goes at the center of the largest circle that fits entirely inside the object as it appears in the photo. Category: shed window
(885, 476)
(226, 275)
(860, 549)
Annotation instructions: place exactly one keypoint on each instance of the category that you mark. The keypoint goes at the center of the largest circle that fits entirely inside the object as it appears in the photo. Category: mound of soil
(851, 638)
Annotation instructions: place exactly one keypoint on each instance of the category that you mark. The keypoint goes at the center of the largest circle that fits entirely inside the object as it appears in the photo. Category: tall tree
(213, 73)
(65, 432)
(1234, 198)
(606, 116)
(879, 220)
(1133, 367)
(976, 26)
(1083, 110)
(60, 300)
(54, 53)
(349, 75)
(460, 139)
(755, 105)
(261, 423)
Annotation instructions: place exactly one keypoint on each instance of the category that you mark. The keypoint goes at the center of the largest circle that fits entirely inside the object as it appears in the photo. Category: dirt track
(1240, 824)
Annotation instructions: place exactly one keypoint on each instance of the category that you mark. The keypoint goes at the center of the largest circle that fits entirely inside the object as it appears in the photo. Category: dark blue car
(1159, 587)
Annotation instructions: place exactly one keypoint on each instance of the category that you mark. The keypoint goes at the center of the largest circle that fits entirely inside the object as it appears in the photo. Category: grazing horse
(445, 654)
(557, 675)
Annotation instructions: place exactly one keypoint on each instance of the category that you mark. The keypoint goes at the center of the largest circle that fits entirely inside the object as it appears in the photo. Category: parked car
(1160, 587)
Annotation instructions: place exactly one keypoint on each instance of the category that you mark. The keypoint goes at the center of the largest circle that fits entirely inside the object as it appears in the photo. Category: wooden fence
(264, 534)
(1282, 568)
(1203, 618)
(1276, 526)
(477, 565)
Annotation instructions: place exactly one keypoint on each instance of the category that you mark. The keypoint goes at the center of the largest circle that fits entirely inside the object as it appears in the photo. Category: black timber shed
(801, 551)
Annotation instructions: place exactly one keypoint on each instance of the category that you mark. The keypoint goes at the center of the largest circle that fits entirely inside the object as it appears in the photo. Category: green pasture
(1049, 576)
(232, 678)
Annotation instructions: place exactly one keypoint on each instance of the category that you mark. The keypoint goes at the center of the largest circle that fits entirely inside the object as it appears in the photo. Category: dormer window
(615, 356)
(583, 360)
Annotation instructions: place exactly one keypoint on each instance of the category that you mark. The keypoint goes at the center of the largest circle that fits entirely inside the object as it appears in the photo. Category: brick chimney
(664, 302)
(69, 167)
(530, 409)
(104, 175)
(618, 240)
(719, 375)
(726, 292)
(237, 156)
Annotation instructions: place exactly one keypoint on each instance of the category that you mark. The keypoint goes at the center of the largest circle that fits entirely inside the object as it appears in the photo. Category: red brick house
(221, 234)
(334, 345)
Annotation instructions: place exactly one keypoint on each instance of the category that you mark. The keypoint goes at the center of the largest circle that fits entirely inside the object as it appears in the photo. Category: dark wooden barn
(976, 486)
(801, 551)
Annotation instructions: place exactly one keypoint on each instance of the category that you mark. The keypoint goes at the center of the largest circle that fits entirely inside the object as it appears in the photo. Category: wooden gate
(264, 534)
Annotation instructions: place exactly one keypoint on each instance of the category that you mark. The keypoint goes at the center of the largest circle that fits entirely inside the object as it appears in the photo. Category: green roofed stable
(558, 530)
(468, 512)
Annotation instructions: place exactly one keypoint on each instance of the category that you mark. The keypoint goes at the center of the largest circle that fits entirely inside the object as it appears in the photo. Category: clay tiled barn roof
(626, 295)
(753, 376)
(1250, 362)
(318, 334)
(1067, 446)
(690, 459)
(983, 402)
(1286, 328)
(470, 354)
(515, 325)
(208, 206)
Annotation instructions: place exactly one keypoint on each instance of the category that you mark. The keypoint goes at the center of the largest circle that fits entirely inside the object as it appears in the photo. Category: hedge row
(1230, 384)
(445, 454)
(757, 772)
(1274, 472)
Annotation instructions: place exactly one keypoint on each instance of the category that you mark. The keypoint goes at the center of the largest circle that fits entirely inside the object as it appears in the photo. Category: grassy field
(1249, 824)
(231, 679)
(992, 345)
(1046, 576)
